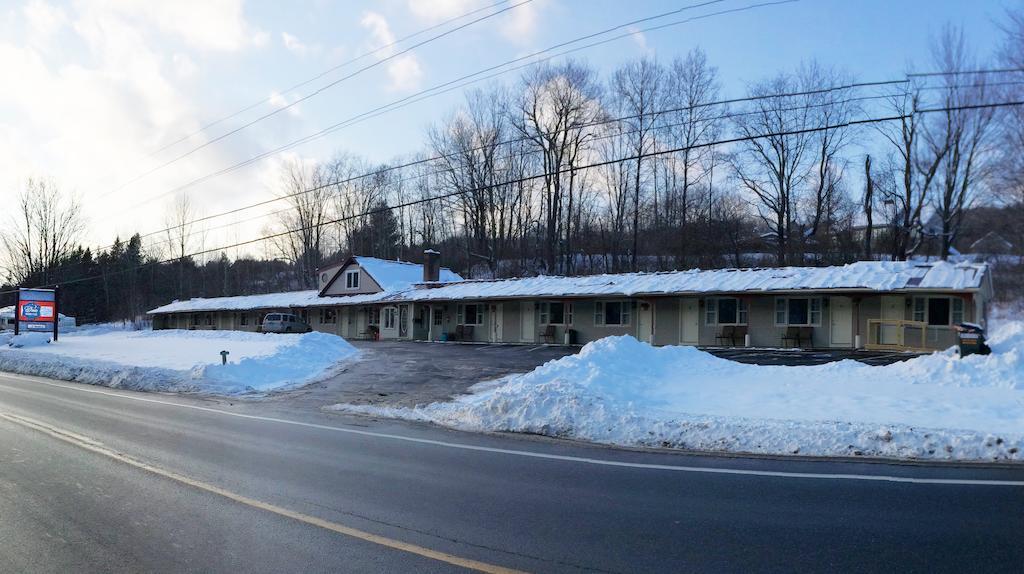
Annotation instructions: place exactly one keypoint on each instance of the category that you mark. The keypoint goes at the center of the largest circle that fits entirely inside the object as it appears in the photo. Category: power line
(326, 72)
(312, 94)
(426, 93)
(580, 126)
(849, 123)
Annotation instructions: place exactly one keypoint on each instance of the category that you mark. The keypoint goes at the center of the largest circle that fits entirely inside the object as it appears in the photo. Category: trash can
(444, 337)
(971, 339)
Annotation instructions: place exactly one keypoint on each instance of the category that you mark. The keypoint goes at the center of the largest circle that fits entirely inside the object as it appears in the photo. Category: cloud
(639, 38)
(202, 24)
(293, 44)
(519, 25)
(278, 100)
(404, 72)
(43, 21)
(432, 11)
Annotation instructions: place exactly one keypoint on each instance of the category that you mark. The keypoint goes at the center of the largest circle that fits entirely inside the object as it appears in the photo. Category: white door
(645, 322)
(689, 315)
(892, 308)
(526, 321)
(496, 323)
(389, 323)
(841, 321)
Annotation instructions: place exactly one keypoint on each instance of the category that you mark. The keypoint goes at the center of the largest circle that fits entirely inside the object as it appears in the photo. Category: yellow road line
(97, 447)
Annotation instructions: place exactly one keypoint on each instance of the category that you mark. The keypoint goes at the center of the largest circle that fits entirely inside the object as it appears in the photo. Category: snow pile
(184, 361)
(621, 391)
(28, 340)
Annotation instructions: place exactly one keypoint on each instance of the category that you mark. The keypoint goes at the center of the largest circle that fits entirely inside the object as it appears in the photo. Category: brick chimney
(431, 266)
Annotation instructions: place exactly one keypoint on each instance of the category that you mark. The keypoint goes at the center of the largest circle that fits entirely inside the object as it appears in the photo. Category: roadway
(99, 480)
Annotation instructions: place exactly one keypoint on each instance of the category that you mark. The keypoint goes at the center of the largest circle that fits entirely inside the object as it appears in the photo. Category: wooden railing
(891, 335)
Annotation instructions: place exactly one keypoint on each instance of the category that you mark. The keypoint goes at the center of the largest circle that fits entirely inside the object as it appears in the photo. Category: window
(612, 313)
(196, 319)
(209, 318)
(725, 311)
(470, 315)
(802, 311)
(243, 319)
(328, 316)
(352, 279)
(372, 316)
(939, 311)
(555, 313)
(389, 317)
(438, 316)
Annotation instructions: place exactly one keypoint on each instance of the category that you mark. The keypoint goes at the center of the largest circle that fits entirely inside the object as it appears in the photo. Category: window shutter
(711, 311)
(780, 311)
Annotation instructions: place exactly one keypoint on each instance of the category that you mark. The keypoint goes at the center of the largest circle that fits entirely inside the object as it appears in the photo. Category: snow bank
(621, 391)
(183, 361)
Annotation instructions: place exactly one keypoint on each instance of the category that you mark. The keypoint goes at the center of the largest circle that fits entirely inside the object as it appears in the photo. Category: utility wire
(655, 113)
(312, 94)
(862, 121)
(433, 91)
(326, 72)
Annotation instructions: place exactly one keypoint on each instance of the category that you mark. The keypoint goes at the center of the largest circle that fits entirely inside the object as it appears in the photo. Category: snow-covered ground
(621, 391)
(174, 360)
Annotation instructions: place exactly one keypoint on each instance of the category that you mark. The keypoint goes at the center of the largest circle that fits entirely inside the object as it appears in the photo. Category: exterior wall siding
(352, 321)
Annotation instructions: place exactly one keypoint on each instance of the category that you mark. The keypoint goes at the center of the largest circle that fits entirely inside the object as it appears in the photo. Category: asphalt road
(95, 480)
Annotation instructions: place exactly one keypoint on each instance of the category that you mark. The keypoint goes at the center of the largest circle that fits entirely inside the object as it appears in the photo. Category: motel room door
(645, 321)
(892, 308)
(841, 322)
(527, 322)
(496, 322)
(689, 316)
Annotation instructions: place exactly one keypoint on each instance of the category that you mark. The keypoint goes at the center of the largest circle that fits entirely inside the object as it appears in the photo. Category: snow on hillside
(186, 361)
(621, 391)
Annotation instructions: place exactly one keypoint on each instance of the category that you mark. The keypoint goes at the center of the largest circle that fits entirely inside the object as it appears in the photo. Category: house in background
(7, 319)
(867, 304)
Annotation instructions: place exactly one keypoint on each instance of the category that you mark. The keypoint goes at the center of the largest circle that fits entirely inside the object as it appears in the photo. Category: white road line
(98, 448)
(541, 455)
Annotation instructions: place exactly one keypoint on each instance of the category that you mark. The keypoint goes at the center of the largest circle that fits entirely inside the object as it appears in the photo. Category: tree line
(566, 171)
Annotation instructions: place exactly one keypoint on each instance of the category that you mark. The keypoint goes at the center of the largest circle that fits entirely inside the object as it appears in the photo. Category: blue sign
(30, 310)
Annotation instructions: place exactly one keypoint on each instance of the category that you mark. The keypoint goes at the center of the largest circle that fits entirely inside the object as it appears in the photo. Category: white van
(284, 323)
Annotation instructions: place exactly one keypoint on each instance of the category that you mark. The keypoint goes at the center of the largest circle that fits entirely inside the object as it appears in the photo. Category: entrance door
(496, 322)
(645, 322)
(526, 321)
(389, 323)
(689, 329)
(841, 321)
(892, 308)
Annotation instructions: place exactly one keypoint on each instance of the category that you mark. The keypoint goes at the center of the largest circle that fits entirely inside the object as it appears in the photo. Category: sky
(106, 97)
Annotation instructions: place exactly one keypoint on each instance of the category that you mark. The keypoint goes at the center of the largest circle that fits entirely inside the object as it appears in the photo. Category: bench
(548, 334)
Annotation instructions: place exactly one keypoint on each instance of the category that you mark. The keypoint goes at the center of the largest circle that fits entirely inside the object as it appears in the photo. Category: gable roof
(391, 275)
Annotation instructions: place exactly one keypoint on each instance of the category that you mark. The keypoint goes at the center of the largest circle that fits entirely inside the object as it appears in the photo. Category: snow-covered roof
(862, 275)
(882, 276)
(399, 275)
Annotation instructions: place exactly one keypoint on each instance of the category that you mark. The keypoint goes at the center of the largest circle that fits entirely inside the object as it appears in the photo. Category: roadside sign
(36, 310)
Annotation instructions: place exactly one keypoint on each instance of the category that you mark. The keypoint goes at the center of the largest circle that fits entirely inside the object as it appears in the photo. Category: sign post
(36, 310)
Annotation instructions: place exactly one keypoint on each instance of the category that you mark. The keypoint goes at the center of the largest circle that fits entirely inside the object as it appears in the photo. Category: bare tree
(307, 189)
(45, 227)
(637, 95)
(183, 234)
(960, 135)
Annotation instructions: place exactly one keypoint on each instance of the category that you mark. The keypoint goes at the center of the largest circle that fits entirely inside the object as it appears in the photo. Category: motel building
(878, 305)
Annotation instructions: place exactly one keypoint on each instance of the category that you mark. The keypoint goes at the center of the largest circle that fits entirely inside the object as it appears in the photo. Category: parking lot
(400, 373)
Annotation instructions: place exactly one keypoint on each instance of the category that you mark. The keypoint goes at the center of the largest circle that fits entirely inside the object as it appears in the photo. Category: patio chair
(548, 334)
(739, 335)
(806, 337)
(727, 334)
(459, 334)
(467, 332)
(792, 336)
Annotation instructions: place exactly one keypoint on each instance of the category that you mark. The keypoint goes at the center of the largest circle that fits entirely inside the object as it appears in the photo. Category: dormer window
(352, 279)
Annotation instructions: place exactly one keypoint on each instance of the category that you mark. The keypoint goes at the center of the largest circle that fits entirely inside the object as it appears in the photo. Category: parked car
(284, 323)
